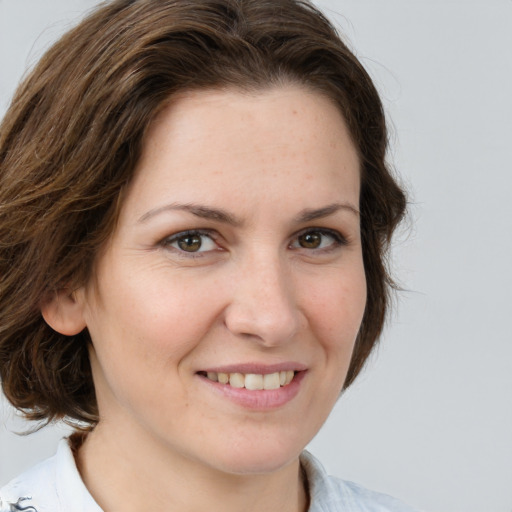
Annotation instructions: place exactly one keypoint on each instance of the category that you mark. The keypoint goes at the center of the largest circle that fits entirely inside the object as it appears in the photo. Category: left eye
(192, 242)
(317, 239)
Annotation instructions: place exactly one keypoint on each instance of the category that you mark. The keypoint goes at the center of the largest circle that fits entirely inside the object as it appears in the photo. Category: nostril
(263, 322)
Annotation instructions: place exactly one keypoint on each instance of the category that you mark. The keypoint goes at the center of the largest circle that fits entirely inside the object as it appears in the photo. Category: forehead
(220, 143)
(233, 112)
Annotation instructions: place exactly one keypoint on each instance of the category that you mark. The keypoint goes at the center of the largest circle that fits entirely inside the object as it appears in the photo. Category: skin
(254, 292)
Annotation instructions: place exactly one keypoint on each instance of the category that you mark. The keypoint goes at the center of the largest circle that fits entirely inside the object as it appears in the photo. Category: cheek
(336, 308)
(177, 312)
(142, 332)
(154, 319)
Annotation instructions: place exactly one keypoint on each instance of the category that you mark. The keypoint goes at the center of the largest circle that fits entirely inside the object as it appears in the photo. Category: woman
(195, 210)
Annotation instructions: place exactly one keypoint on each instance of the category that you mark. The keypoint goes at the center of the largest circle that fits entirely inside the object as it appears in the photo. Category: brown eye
(318, 240)
(189, 243)
(310, 240)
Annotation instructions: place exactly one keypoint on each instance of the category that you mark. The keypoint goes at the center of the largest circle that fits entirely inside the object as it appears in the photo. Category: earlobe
(64, 313)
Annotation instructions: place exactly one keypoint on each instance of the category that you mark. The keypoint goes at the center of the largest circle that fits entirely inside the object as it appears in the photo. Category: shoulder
(330, 494)
(33, 486)
(54, 485)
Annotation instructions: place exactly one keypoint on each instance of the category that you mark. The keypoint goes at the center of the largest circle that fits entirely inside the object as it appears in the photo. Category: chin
(262, 458)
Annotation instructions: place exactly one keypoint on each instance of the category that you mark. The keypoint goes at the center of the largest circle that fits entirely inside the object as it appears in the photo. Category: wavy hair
(72, 136)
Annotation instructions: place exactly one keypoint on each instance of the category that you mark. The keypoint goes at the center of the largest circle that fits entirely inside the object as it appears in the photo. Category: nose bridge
(263, 304)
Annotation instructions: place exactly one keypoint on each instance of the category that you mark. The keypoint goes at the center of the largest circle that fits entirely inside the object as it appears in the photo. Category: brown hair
(72, 136)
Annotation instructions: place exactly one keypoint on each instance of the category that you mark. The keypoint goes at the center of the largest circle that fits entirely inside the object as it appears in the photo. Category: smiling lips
(259, 388)
(253, 381)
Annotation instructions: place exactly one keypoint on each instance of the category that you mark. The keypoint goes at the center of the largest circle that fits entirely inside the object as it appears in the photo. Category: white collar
(55, 485)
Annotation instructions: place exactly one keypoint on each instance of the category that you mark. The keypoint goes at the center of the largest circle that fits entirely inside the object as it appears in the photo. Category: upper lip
(257, 368)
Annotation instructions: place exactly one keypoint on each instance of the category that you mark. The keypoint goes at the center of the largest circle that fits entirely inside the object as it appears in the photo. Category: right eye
(191, 242)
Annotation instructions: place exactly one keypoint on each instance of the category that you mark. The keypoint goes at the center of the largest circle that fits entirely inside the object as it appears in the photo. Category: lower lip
(258, 400)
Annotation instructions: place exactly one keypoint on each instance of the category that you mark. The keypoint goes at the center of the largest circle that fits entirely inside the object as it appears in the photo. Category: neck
(144, 476)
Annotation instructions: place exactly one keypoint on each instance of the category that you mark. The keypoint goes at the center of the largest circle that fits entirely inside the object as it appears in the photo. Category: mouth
(252, 381)
(256, 387)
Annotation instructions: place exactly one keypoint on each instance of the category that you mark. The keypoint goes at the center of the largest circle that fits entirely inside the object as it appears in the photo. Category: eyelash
(338, 240)
(168, 241)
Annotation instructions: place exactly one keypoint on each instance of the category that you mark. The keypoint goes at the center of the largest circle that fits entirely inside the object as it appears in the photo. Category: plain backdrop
(430, 420)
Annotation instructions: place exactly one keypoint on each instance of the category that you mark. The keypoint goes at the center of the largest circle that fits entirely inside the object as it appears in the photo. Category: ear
(64, 313)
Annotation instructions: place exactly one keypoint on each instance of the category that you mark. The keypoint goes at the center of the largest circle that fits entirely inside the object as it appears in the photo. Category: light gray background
(430, 420)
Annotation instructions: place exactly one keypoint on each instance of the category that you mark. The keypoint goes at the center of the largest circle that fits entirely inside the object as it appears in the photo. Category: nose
(263, 305)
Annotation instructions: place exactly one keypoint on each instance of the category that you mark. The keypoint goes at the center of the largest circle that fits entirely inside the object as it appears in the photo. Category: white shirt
(55, 485)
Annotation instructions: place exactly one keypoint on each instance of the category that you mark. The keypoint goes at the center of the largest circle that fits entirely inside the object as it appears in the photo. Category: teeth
(236, 380)
(271, 381)
(212, 376)
(253, 381)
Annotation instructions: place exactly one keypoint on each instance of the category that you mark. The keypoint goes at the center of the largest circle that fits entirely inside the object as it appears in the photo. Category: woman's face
(237, 256)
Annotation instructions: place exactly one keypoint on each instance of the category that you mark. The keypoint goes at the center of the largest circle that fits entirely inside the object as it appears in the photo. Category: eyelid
(339, 239)
(167, 242)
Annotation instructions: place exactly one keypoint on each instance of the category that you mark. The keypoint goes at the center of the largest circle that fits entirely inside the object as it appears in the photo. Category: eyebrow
(220, 215)
(204, 212)
(310, 214)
